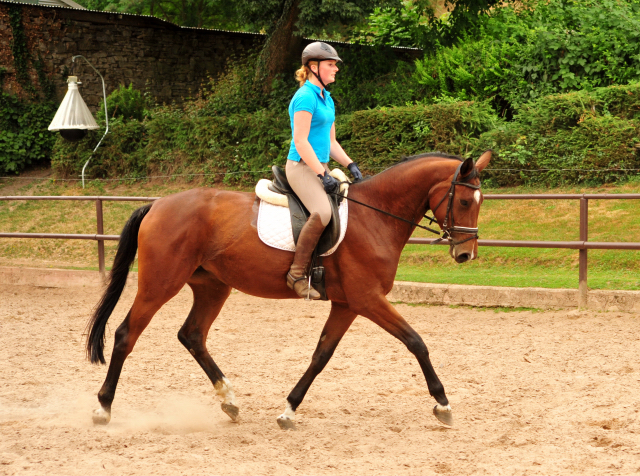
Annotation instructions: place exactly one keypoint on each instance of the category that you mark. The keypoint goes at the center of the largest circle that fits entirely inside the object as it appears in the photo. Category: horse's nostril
(461, 258)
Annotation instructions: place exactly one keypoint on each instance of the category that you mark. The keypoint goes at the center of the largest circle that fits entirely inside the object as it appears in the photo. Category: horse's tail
(125, 256)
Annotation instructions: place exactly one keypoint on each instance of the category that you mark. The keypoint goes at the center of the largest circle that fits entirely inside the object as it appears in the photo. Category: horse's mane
(409, 158)
(436, 154)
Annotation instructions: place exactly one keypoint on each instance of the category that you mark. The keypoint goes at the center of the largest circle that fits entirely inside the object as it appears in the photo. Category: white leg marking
(442, 408)
(101, 416)
(476, 195)
(225, 390)
(289, 413)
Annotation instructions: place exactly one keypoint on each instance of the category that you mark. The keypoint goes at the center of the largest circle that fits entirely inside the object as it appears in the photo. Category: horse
(207, 238)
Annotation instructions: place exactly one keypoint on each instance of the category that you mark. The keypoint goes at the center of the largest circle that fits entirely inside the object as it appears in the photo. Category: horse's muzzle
(463, 257)
(464, 252)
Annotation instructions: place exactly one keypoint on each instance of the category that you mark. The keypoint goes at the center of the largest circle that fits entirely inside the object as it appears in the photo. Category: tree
(196, 13)
(287, 21)
(424, 24)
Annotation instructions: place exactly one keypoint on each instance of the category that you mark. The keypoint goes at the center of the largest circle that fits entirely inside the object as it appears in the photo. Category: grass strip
(552, 220)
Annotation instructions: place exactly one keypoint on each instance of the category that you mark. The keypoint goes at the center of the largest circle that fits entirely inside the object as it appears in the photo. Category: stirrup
(292, 285)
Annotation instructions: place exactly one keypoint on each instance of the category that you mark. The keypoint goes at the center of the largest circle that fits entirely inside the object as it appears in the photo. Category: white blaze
(476, 195)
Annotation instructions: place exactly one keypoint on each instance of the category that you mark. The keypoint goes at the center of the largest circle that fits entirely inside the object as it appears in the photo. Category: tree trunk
(281, 47)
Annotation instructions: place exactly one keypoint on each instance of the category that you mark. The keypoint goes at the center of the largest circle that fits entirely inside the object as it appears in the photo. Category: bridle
(447, 229)
(448, 225)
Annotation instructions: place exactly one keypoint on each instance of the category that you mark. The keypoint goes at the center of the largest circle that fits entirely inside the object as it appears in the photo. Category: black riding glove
(330, 184)
(355, 171)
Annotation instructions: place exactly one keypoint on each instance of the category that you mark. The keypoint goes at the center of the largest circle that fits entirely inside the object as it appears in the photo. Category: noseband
(448, 225)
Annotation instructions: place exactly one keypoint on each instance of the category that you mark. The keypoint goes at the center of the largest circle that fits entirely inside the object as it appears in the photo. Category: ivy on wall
(24, 138)
(19, 48)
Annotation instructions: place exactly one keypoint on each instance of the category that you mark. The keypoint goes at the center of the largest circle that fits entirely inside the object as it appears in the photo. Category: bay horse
(208, 239)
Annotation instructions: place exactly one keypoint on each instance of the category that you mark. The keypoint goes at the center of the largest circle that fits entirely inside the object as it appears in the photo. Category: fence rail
(583, 245)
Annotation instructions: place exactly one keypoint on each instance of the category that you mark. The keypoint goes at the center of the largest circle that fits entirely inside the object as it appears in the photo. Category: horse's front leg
(340, 318)
(385, 315)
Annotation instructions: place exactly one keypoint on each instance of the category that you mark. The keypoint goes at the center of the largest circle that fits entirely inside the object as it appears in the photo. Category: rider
(313, 130)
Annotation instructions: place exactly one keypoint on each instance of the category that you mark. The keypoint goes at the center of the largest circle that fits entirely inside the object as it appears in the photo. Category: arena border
(403, 291)
(583, 245)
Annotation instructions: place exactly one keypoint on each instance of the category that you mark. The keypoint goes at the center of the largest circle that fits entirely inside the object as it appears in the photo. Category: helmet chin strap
(318, 75)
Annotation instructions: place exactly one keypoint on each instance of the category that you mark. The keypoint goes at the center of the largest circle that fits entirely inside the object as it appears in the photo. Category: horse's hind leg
(209, 295)
(144, 307)
(340, 319)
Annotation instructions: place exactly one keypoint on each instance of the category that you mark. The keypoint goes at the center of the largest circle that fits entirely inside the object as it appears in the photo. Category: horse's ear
(484, 160)
(467, 167)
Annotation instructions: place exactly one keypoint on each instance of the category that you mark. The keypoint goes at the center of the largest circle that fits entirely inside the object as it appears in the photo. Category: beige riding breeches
(305, 182)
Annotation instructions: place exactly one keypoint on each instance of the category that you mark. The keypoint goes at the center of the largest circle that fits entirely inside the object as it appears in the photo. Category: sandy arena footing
(533, 392)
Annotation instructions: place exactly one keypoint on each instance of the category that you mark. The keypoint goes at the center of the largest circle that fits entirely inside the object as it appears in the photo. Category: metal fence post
(584, 236)
(100, 242)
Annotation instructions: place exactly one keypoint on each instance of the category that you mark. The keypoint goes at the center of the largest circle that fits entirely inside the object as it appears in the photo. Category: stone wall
(169, 61)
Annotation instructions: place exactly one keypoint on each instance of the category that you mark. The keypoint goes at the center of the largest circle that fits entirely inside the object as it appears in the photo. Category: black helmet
(318, 51)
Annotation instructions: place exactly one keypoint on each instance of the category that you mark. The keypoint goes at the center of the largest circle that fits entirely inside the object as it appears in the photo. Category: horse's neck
(404, 189)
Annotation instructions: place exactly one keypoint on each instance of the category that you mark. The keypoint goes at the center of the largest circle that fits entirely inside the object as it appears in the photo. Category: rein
(431, 220)
(446, 230)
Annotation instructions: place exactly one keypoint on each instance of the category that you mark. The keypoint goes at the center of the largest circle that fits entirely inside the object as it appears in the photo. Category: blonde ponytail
(303, 74)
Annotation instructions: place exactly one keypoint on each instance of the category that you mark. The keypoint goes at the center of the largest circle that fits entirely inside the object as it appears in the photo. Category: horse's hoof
(443, 414)
(286, 423)
(101, 417)
(231, 410)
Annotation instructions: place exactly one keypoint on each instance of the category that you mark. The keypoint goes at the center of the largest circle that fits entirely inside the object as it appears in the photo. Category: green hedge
(580, 137)
(172, 141)
(175, 142)
(595, 132)
(379, 137)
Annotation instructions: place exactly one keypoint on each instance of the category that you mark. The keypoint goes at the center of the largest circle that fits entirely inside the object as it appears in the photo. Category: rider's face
(328, 70)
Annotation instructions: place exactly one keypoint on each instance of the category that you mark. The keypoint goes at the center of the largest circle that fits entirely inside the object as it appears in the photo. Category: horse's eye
(464, 203)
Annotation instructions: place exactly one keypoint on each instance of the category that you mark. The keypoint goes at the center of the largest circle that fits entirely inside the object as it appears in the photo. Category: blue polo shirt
(323, 115)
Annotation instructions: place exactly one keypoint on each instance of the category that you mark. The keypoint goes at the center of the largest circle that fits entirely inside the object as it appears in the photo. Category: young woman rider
(313, 129)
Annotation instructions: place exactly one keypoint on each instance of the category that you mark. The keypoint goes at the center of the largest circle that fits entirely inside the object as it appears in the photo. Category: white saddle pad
(274, 226)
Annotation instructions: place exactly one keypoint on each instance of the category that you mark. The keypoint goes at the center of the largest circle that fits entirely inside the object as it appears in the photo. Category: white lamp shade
(73, 113)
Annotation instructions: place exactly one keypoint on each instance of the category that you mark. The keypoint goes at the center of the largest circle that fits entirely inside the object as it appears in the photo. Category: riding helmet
(319, 51)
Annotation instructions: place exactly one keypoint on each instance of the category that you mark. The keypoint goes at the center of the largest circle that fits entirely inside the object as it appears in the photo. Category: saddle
(299, 214)
(279, 192)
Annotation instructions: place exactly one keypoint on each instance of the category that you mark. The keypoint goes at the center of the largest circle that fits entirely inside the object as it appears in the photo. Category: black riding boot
(297, 278)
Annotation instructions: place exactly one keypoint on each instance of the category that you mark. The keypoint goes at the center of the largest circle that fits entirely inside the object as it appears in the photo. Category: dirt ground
(532, 393)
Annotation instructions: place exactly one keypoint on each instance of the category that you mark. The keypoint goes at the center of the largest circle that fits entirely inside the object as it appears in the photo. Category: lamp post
(73, 118)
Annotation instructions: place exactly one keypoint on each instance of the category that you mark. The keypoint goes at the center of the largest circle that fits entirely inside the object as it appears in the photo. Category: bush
(172, 141)
(559, 139)
(126, 103)
(118, 155)
(569, 138)
(539, 48)
(175, 141)
(235, 91)
(369, 77)
(24, 138)
(374, 78)
(378, 138)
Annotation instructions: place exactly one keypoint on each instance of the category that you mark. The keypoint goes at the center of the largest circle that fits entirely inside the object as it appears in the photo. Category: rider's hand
(355, 171)
(330, 184)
